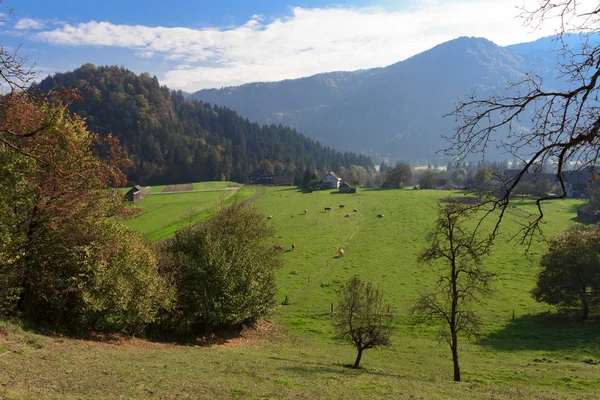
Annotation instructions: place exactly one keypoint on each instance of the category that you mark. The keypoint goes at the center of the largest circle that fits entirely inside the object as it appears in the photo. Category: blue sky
(192, 45)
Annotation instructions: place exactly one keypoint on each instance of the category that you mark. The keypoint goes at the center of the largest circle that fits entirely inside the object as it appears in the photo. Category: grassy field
(536, 355)
(162, 214)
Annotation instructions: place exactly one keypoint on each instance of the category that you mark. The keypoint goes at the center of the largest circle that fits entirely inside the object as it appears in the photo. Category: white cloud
(28, 23)
(307, 42)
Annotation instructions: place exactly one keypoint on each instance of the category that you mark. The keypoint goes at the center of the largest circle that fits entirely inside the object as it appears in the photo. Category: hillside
(173, 140)
(394, 112)
(531, 354)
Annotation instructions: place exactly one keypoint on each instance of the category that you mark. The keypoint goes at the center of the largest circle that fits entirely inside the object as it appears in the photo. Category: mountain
(171, 139)
(395, 112)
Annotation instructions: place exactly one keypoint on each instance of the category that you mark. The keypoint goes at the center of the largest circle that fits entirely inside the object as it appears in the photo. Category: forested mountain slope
(171, 139)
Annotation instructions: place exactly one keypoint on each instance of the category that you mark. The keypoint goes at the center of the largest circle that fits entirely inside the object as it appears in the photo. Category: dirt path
(259, 192)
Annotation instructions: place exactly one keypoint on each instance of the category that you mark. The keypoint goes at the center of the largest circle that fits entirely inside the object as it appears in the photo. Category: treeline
(67, 261)
(174, 140)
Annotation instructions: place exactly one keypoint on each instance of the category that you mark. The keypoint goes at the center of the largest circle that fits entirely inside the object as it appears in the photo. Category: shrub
(223, 268)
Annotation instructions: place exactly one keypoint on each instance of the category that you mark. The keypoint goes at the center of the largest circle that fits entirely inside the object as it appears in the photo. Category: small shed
(137, 193)
(345, 188)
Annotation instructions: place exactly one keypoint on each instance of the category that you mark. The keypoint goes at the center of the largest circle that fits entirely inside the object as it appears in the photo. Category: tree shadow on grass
(205, 338)
(545, 332)
(303, 367)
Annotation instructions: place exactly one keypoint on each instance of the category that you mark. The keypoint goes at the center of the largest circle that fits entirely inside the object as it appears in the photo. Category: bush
(223, 268)
(106, 279)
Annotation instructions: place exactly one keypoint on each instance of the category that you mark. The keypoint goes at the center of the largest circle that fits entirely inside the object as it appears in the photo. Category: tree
(223, 269)
(456, 256)
(309, 175)
(398, 176)
(15, 73)
(565, 124)
(427, 179)
(570, 275)
(63, 259)
(362, 318)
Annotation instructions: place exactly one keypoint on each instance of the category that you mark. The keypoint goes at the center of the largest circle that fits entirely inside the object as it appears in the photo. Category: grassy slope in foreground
(529, 358)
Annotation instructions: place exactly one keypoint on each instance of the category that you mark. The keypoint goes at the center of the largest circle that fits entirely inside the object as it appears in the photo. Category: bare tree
(461, 281)
(561, 126)
(16, 78)
(362, 318)
(15, 71)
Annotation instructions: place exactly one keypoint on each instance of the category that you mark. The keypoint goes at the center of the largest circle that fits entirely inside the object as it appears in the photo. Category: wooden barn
(284, 180)
(346, 188)
(137, 193)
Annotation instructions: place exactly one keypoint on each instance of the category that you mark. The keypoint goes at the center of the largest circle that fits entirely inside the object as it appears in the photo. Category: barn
(137, 193)
(345, 188)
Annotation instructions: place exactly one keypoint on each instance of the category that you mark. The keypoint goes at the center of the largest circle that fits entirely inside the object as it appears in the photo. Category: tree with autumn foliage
(60, 242)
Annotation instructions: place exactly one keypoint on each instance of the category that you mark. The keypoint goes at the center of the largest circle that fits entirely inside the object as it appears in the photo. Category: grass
(535, 356)
(162, 214)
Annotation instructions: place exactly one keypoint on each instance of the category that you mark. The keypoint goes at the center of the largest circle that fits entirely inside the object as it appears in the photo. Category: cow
(293, 246)
(347, 215)
(380, 215)
(269, 217)
(342, 206)
(327, 208)
(340, 253)
(305, 211)
(355, 210)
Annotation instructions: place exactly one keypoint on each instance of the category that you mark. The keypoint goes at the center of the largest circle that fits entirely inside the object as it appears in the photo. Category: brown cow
(341, 253)
(355, 210)
(327, 208)
(293, 246)
(347, 215)
(380, 215)
(342, 206)
(269, 217)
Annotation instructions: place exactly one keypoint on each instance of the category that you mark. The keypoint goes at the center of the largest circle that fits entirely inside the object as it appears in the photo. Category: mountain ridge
(393, 112)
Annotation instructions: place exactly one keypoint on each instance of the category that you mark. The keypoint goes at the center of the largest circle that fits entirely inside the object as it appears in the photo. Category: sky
(197, 44)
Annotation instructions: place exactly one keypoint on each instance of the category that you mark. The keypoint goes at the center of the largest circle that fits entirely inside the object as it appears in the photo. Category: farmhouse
(285, 180)
(261, 177)
(331, 181)
(137, 193)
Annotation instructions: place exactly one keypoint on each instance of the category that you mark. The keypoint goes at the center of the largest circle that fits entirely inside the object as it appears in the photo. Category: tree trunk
(454, 347)
(586, 307)
(358, 356)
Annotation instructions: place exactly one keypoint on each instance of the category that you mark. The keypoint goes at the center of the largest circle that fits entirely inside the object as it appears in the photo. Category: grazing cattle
(355, 210)
(277, 248)
(305, 211)
(380, 215)
(327, 208)
(342, 206)
(269, 217)
(293, 246)
(341, 253)
(347, 215)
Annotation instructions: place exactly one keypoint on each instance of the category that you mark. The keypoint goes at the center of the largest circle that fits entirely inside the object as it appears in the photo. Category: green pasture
(160, 215)
(538, 354)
